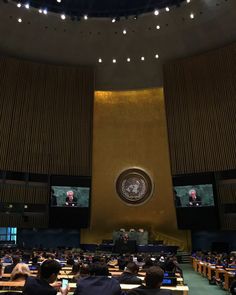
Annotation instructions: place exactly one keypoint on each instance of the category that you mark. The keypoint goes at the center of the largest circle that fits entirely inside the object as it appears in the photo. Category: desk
(228, 279)
(178, 290)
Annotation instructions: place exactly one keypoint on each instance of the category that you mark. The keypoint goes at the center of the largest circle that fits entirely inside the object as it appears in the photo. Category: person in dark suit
(48, 272)
(71, 200)
(98, 282)
(153, 279)
(194, 199)
(129, 276)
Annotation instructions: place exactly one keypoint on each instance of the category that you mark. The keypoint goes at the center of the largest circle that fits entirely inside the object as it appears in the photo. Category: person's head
(98, 269)
(132, 267)
(70, 195)
(20, 272)
(15, 259)
(192, 193)
(154, 277)
(49, 270)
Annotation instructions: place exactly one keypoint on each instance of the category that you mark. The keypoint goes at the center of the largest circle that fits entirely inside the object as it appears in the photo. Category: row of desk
(210, 270)
(180, 289)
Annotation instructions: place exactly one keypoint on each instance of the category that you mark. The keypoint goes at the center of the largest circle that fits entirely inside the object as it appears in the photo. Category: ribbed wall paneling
(45, 118)
(200, 97)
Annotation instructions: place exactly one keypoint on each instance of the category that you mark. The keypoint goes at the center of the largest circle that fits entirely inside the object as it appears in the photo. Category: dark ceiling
(102, 8)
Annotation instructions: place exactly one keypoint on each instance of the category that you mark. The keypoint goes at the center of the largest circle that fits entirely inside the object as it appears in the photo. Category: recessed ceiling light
(27, 6)
(114, 60)
(156, 12)
(191, 15)
(40, 10)
(113, 20)
(142, 58)
(59, 1)
(45, 11)
(156, 56)
(124, 32)
(167, 9)
(100, 60)
(19, 20)
(158, 27)
(63, 17)
(128, 59)
(188, 1)
(85, 17)
(18, 5)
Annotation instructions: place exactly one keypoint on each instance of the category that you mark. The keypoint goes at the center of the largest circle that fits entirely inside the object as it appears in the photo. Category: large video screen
(200, 195)
(70, 196)
(195, 198)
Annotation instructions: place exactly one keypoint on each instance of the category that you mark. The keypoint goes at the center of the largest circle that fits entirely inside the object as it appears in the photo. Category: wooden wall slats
(45, 127)
(200, 96)
(45, 117)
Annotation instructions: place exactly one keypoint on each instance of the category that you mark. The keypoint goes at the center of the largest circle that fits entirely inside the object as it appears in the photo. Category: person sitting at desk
(71, 200)
(194, 199)
(129, 276)
(153, 279)
(20, 272)
(15, 261)
(48, 272)
(98, 282)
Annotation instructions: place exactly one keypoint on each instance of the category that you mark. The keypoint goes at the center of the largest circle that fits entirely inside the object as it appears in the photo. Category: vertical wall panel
(200, 96)
(45, 117)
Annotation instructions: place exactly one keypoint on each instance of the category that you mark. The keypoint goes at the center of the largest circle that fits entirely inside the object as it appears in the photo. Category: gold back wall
(129, 130)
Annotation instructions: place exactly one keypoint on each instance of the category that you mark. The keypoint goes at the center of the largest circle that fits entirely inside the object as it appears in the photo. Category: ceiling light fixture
(191, 15)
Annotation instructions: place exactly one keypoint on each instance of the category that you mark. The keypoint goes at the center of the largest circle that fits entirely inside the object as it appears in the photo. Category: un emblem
(134, 186)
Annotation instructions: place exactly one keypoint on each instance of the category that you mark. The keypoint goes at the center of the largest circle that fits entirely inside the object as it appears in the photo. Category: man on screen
(71, 200)
(194, 199)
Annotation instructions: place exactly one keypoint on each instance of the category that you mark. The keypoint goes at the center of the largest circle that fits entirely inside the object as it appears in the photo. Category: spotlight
(128, 59)
(113, 20)
(19, 5)
(158, 27)
(100, 60)
(156, 56)
(124, 32)
(85, 17)
(167, 9)
(59, 1)
(45, 11)
(27, 6)
(40, 10)
(19, 20)
(114, 60)
(142, 58)
(188, 1)
(156, 12)
(63, 17)
(135, 17)
(192, 16)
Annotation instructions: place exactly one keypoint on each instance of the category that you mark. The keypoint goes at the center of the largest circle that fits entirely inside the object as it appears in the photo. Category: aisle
(199, 285)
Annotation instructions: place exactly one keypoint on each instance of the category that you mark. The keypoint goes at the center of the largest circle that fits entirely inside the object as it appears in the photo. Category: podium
(123, 247)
